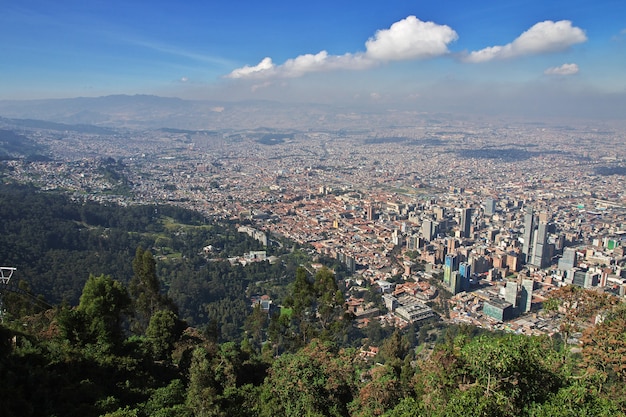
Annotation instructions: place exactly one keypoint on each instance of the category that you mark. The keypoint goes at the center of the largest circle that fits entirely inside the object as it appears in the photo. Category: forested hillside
(56, 243)
(80, 362)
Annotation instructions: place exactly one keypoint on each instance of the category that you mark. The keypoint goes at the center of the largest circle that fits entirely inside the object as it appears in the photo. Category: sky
(439, 55)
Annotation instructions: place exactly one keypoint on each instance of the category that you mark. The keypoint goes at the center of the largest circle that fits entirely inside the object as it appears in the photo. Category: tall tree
(577, 307)
(163, 332)
(380, 392)
(255, 326)
(604, 349)
(316, 381)
(145, 290)
(393, 350)
(103, 304)
(302, 294)
(330, 301)
(202, 391)
(515, 369)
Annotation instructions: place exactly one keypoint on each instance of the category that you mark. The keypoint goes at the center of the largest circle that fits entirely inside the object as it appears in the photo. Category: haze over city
(529, 58)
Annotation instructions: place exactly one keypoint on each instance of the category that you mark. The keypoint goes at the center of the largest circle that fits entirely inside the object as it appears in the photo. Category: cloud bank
(565, 69)
(407, 39)
(413, 39)
(543, 37)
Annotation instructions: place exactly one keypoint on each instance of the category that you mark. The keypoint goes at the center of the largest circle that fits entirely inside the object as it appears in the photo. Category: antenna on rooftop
(6, 272)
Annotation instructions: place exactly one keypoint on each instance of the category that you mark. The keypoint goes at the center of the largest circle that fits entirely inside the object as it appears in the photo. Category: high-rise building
(490, 206)
(397, 238)
(428, 229)
(578, 278)
(568, 260)
(604, 276)
(369, 212)
(455, 286)
(465, 273)
(511, 292)
(512, 261)
(347, 260)
(592, 279)
(536, 249)
(466, 221)
(498, 309)
(413, 242)
(440, 254)
(499, 260)
(440, 213)
(451, 264)
(526, 297)
(480, 264)
(452, 244)
(529, 227)
(540, 254)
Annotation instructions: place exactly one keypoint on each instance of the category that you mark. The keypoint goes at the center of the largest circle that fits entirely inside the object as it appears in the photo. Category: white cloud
(321, 61)
(265, 66)
(184, 79)
(406, 39)
(543, 37)
(410, 38)
(565, 69)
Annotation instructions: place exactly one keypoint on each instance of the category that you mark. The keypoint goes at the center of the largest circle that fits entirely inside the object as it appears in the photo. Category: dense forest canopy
(56, 243)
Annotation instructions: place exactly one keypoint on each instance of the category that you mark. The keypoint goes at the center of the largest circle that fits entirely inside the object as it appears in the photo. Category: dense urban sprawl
(500, 214)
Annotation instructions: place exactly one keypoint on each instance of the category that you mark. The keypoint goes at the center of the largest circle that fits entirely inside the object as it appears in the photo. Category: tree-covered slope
(56, 243)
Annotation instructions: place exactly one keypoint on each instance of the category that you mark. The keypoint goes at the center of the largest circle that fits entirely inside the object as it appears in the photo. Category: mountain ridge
(150, 112)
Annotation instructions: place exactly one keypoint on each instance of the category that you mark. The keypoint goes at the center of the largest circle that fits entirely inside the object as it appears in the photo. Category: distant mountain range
(153, 112)
(149, 112)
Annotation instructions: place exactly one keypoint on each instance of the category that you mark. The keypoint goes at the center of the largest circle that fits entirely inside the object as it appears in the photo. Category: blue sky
(368, 51)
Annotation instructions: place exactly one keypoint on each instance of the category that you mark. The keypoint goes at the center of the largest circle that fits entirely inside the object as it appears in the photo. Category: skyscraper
(465, 272)
(452, 244)
(466, 221)
(540, 253)
(529, 226)
(455, 282)
(451, 264)
(428, 229)
(369, 212)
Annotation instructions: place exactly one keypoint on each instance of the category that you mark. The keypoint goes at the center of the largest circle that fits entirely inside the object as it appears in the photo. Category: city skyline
(519, 57)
